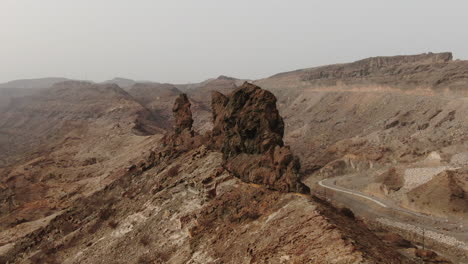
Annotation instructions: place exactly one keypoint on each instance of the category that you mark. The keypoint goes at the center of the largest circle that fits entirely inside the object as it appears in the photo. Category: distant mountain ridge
(122, 82)
(33, 83)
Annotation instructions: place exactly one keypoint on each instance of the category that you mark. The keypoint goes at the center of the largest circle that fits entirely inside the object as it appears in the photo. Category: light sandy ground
(430, 234)
(415, 177)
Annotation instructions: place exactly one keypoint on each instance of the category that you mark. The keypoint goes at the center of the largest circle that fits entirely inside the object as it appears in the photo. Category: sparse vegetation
(95, 227)
(145, 240)
(45, 255)
(105, 213)
(113, 224)
(174, 171)
(145, 259)
(347, 212)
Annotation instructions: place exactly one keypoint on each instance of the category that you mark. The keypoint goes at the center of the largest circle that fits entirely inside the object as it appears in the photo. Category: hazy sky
(188, 41)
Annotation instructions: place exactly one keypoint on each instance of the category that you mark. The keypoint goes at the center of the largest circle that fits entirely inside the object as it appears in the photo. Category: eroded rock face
(249, 131)
(249, 121)
(182, 114)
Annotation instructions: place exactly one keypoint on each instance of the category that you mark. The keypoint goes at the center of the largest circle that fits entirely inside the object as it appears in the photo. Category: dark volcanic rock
(182, 114)
(249, 132)
(218, 103)
(249, 121)
(182, 139)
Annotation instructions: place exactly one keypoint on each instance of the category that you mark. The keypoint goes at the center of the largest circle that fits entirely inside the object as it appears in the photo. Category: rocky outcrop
(218, 103)
(377, 66)
(182, 114)
(437, 72)
(174, 143)
(249, 131)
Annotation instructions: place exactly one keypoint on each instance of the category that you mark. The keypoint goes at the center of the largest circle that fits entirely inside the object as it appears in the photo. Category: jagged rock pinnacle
(249, 131)
(182, 114)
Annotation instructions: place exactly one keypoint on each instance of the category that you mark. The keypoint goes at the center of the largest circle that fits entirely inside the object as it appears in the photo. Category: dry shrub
(174, 171)
(95, 227)
(347, 212)
(153, 258)
(105, 214)
(3, 259)
(113, 224)
(145, 259)
(68, 227)
(45, 254)
(162, 257)
(145, 240)
(41, 258)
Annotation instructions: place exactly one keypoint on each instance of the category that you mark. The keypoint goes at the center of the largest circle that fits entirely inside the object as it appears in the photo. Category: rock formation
(249, 131)
(182, 114)
(182, 139)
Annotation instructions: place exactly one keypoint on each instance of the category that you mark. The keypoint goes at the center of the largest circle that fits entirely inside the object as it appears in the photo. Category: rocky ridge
(184, 206)
(65, 142)
(403, 72)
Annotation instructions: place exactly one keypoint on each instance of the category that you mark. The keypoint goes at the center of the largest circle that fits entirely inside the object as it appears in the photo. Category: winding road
(371, 207)
(339, 189)
(330, 184)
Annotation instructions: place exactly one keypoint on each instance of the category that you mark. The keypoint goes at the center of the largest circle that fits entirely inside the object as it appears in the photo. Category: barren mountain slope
(170, 214)
(121, 82)
(393, 98)
(434, 71)
(179, 205)
(446, 193)
(7, 94)
(376, 112)
(50, 114)
(33, 83)
(25, 87)
(157, 98)
(65, 142)
(102, 189)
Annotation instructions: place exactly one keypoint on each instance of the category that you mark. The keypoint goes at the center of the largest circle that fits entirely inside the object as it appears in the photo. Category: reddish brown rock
(218, 103)
(249, 121)
(249, 131)
(182, 139)
(182, 114)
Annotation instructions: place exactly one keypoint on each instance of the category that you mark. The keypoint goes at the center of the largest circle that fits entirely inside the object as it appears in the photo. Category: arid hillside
(322, 165)
(51, 113)
(158, 98)
(359, 120)
(436, 71)
(184, 203)
(7, 94)
(41, 83)
(64, 142)
(20, 88)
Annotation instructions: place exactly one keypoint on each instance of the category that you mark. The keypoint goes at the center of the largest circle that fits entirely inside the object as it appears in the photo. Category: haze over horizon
(189, 41)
